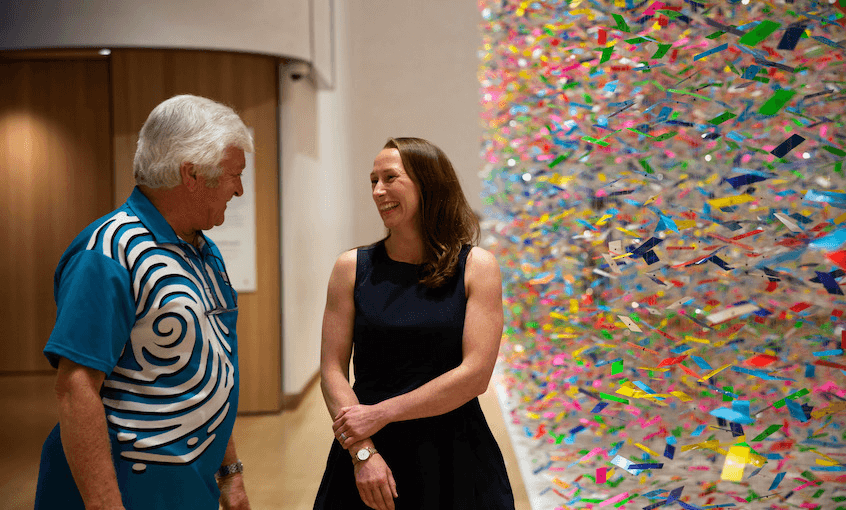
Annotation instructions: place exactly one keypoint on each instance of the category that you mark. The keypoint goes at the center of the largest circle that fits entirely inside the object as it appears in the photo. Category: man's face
(212, 200)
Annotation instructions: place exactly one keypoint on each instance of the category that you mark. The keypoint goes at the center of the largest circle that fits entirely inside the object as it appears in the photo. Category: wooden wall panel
(55, 178)
(141, 79)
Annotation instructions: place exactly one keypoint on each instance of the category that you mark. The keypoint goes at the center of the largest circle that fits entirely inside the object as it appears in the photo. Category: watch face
(363, 454)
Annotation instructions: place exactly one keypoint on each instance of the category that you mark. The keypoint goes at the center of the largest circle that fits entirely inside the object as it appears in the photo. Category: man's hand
(375, 483)
(233, 495)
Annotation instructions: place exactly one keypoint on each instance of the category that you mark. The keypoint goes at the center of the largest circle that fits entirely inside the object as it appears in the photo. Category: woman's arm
(374, 479)
(482, 333)
(336, 344)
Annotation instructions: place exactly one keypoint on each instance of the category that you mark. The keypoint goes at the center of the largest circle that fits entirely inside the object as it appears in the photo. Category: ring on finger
(343, 437)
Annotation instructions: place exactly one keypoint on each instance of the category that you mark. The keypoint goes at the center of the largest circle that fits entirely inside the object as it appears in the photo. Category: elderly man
(144, 340)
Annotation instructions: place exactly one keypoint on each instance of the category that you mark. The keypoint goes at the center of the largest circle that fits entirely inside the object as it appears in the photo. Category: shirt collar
(152, 218)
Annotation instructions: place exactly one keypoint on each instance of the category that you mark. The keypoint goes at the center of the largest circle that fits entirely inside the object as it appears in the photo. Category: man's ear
(189, 175)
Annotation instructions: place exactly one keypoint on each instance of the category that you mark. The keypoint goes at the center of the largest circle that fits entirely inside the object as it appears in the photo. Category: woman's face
(396, 195)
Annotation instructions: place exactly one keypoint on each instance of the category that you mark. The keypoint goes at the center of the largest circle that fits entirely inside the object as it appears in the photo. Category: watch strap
(229, 469)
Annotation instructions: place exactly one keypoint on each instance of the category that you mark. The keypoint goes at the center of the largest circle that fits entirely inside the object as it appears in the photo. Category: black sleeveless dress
(405, 335)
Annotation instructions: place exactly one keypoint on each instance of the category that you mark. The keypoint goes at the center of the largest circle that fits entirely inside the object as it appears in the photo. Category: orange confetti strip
(731, 241)
(689, 371)
(644, 349)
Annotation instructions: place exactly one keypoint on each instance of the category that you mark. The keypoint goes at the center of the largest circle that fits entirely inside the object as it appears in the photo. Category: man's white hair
(187, 129)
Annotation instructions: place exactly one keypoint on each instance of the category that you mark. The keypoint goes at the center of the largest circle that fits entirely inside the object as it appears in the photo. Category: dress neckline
(384, 251)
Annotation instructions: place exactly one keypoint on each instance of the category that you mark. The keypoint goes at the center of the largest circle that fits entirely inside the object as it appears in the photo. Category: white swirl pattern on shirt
(170, 321)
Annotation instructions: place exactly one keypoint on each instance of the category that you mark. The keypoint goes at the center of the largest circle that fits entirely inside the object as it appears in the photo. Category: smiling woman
(423, 308)
(395, 192)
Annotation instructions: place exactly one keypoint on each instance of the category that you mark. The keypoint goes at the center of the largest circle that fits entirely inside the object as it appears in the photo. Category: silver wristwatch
(364, 454)
(229, 469)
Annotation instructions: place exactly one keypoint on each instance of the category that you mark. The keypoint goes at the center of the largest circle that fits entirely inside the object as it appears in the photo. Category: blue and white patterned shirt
(133, 302)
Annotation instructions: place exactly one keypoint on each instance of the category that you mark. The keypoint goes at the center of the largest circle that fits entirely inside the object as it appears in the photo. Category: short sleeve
(95, 312)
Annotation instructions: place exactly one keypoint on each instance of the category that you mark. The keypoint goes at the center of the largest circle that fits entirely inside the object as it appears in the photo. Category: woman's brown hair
(447, 220)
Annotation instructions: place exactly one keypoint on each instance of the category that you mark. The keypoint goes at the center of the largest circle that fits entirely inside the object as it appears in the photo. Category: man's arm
(85, 436)
(233, 494)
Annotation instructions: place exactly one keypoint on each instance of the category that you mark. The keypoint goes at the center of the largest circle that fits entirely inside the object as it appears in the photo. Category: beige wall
(402, 69)
(414, 68)
(317, 207)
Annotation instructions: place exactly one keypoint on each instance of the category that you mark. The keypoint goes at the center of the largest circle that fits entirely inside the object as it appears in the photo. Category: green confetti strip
(759, 33)
(800, 393)
(719, 119)
(665, 136)
(689, 93)
(558, 160)
(715, 35)
(661, 51)
(670, 14)
(834, 150)
(734, 69)
(777, 102)
(621, 23)
(617, 367)
(766, 433)
(615, 483)
(623, 502)
(640, 132)
(606, 54)
(591, 139)
(614, 398)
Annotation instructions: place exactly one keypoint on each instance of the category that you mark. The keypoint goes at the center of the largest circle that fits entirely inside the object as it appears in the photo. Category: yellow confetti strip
(729, 201)
(648, 450)
(714, 372)
(682, 396)
(735, 463)
(604, 219)
(826, 460)
(628, 232)
(689, 338)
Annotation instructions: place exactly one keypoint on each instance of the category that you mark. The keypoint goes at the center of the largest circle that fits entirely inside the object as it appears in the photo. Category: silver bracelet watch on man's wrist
(229, 469)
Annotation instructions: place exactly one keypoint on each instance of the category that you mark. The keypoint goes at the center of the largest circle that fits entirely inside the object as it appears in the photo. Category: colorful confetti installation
(664, 190)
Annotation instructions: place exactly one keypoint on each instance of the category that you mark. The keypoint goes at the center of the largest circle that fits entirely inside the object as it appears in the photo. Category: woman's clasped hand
(357, 423)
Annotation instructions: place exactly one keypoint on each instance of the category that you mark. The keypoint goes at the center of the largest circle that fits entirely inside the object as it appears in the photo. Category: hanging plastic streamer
(664, 190)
